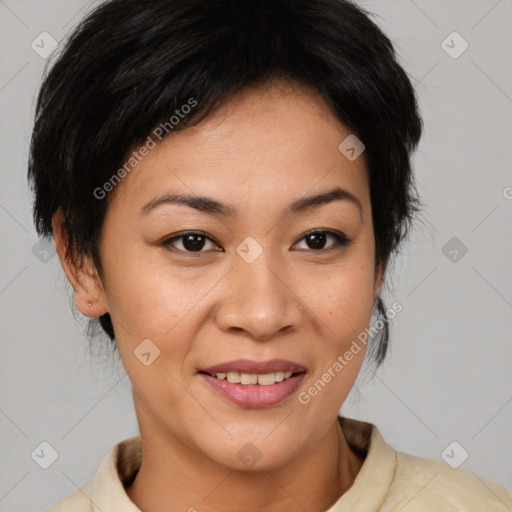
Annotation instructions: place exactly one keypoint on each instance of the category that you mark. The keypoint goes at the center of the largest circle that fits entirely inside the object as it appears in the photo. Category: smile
(265, 379)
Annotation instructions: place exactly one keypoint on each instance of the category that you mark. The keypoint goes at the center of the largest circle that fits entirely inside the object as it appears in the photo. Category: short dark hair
(130, 64)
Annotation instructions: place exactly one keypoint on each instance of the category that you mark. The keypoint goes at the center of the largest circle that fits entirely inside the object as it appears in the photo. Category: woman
(227, 182)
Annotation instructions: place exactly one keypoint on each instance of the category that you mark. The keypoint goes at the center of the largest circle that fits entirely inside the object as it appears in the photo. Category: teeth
(266, 379)
(232, 377)
(248, 378)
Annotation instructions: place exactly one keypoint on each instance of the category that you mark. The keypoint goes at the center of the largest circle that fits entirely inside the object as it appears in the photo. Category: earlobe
(89, 296)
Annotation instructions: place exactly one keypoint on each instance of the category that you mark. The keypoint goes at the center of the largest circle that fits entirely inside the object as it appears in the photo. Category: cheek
(342, 295)
(344, 304)
(350, 301)
(149, 296)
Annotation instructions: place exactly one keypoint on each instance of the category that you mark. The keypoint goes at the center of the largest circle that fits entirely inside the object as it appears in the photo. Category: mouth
(245, 379)
(253, 384)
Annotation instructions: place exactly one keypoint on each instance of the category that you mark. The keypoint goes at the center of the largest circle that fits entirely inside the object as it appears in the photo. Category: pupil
(317, 240)
(192, 245)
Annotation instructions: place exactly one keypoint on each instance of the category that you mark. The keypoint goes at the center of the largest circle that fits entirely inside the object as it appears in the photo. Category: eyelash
(341, 240)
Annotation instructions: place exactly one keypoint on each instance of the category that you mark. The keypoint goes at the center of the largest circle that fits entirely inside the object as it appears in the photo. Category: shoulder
(106, 491)
(79, 501)
(423, 484)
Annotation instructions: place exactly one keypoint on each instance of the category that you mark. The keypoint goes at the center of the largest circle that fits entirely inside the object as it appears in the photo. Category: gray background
(448, 375)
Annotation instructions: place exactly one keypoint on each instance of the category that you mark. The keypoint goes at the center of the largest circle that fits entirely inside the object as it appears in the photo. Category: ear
(380, 272)
(89, 295)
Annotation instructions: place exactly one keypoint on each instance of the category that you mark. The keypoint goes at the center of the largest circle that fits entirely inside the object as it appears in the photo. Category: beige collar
(120, 465)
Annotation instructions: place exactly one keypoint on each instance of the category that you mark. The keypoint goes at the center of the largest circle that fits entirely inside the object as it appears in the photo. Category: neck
(174, 477)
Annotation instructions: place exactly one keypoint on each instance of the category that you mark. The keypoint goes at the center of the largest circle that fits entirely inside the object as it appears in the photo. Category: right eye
(189, 242)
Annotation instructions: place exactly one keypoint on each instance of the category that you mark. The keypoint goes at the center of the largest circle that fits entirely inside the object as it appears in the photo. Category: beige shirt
(388, 481)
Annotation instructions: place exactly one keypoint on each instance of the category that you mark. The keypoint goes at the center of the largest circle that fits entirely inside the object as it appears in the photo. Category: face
(243, 275)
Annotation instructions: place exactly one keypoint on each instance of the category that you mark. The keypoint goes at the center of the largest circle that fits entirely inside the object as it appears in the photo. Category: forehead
(278, 137)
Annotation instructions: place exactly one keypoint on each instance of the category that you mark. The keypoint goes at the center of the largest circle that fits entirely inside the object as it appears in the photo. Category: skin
(265, 148)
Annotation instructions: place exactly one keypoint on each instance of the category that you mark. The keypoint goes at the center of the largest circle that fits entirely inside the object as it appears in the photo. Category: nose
(259, 301)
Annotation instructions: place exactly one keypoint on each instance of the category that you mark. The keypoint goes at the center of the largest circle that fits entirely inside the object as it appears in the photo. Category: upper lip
(255, 367)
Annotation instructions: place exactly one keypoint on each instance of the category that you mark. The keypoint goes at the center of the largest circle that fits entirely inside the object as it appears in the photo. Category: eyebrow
(213, 207)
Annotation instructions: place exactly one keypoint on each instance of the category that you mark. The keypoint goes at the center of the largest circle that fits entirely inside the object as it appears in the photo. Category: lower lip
(255, 395)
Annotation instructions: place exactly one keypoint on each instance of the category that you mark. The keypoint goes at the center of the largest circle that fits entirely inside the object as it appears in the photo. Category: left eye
(317, 239)
(195, 242)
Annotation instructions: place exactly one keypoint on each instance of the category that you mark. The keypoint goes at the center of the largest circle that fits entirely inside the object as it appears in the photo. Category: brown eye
(317, 240)
(189, 242)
